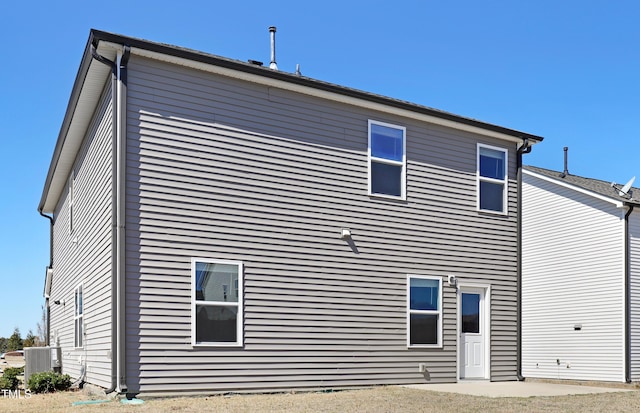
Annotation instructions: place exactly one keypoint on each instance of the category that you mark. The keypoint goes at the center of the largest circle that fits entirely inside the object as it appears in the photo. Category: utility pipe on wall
(121, 151)
(118, 98)
(627, 294)
(523, 149)
(47, 308)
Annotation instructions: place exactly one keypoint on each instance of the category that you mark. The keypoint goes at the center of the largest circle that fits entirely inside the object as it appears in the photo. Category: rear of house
(580, 279)
(277, 232)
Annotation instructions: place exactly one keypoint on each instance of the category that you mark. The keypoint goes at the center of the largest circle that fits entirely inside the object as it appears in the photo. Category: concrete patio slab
(515, 388)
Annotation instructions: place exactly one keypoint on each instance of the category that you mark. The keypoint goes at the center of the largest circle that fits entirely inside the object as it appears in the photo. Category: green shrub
(48, 382)
(6, 384)
(10, 380)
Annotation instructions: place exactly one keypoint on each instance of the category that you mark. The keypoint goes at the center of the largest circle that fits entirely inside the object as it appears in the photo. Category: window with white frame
(424, 311)
(71, 201)
(387, 159)
(78, 317)
(216, 302)
(492, 179)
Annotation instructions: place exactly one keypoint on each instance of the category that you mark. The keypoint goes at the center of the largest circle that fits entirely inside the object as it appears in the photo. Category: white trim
(487, 323)
(618, 204)
(403, 163)
(440, 311)
(240, 304)
(504, 182)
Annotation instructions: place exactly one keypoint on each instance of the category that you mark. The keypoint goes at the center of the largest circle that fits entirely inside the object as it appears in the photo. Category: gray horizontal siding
(223, 169)
(85, 256)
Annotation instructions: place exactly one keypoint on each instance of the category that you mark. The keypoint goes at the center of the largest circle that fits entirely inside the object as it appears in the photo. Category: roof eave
(290, 78)
(86, 91)
(619, 203)
(92, 75)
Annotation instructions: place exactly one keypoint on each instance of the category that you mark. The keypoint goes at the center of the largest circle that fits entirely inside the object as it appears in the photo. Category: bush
(6, 384)
(48, 382)
(10, 380)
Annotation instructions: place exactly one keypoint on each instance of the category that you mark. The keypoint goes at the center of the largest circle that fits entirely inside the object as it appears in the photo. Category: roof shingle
(594, 185)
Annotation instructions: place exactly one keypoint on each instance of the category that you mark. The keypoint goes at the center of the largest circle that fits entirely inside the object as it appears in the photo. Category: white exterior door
(473, 333)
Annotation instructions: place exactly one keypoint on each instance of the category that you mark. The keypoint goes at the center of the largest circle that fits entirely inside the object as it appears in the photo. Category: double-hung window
(216, 302)
(424, 311)
(387, 160)
(78, 316)
(492, 179)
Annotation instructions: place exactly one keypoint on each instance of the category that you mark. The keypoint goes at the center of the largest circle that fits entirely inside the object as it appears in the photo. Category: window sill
(491, 212)
(392, 198)
(206, 344)
(422, 346)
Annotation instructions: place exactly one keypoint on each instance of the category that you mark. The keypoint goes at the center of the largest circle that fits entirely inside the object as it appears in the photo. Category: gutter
(118, 98)
(290, 78)
(49, 268)
(627, 293)
(523, 149)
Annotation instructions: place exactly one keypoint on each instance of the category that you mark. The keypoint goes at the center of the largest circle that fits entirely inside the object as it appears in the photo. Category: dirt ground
(378, 399)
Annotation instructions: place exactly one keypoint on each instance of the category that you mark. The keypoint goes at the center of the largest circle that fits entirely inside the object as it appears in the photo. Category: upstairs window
(492, 179)
(424, 311)
(387, 160)
(71, 200)
(78, 316)
(217, 302)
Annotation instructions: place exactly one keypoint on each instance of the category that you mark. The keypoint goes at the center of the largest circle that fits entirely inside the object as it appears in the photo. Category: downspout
(123, 60)
(118, 92)
(627, 293)
(523, 149)
(50, 267)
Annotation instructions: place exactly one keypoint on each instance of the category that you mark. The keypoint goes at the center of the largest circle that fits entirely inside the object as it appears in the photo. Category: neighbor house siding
(634, 267)
(84, 256)
(573, 274)
(224, 169)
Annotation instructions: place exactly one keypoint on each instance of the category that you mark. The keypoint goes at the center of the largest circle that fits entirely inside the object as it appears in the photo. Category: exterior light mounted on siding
(346, 233)
(577, 327)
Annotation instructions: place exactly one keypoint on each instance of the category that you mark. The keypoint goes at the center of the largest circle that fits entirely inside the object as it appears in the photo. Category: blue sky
(565, 70)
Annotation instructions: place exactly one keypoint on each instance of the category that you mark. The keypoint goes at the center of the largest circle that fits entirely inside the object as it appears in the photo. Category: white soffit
(81, 116)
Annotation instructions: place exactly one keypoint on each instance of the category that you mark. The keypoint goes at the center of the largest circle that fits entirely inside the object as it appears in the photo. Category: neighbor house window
(387, 159)
(78, 316)
(424, 311)
(217, 302)
(492, 179)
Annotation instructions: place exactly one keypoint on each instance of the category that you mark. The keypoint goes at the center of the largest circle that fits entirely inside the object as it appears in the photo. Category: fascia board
(323, 94)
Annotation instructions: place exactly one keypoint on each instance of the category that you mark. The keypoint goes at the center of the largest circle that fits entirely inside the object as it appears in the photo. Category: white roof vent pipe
(273, 65)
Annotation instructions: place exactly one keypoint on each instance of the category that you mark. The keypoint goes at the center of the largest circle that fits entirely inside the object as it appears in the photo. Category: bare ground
(378, 399)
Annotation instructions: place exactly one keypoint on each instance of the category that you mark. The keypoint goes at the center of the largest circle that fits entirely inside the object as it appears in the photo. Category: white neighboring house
(580, 278)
